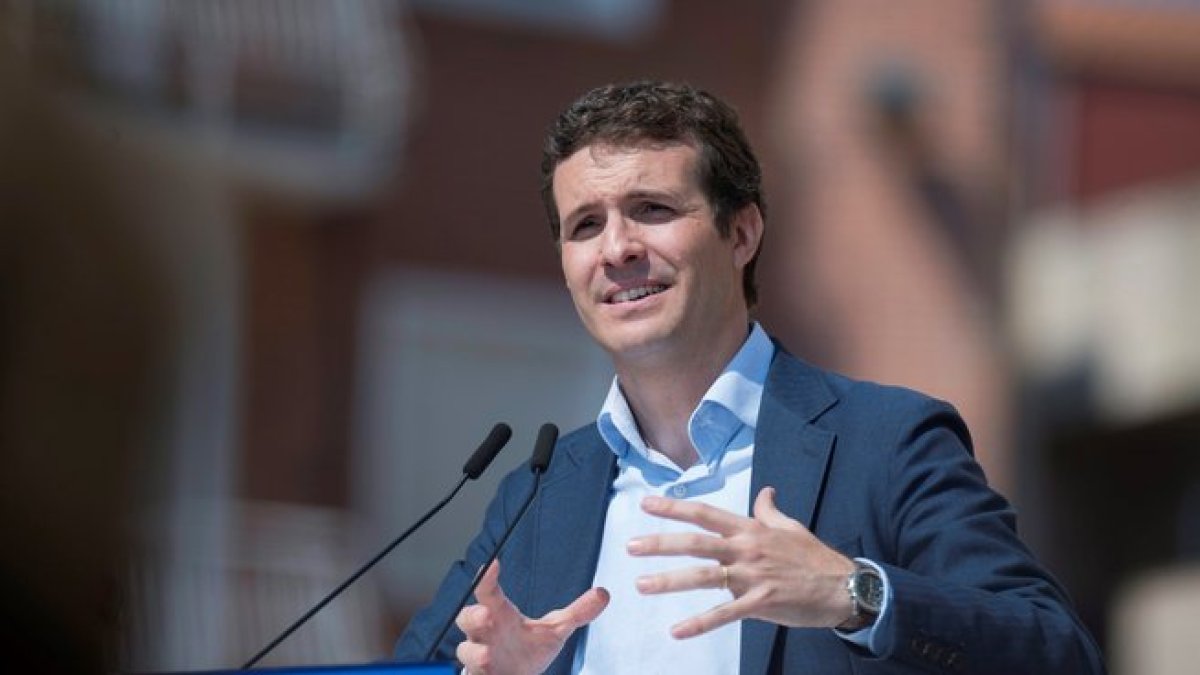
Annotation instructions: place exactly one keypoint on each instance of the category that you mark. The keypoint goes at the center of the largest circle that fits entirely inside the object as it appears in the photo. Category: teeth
(637, 293)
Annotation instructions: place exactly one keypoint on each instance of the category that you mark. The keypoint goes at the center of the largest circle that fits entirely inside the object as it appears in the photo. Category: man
(732, 510)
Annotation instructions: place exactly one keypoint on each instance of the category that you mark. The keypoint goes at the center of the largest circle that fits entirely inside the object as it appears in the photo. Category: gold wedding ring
(724, 578)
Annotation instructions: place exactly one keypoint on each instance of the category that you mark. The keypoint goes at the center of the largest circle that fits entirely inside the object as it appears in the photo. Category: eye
(653, 212)
(586, 228)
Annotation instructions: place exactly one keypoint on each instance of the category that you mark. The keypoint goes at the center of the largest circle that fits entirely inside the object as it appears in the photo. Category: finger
(493, 607)
(488, 592)
(475, 621)
(766, 512)
(581, 612)
(708, 517)
(683, 543)
(688, 579)
(725, 613)
(473, 656)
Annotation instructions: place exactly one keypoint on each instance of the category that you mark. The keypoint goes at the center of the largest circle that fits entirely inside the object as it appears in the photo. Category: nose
(622, 242)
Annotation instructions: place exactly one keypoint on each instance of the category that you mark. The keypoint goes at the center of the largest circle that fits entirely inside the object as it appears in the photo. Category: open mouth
(636, 293)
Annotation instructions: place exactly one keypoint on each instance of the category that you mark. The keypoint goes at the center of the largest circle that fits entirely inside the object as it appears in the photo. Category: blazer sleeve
(423, 628)
(968, 596)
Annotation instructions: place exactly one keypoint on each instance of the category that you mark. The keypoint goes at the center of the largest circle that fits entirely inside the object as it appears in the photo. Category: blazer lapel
(792, 456)
(570, 515)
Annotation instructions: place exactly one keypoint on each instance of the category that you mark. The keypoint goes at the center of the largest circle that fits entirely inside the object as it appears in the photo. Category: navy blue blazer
(874, 471)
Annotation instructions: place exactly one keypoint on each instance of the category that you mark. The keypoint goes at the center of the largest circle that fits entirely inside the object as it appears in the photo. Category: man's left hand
(776, 569)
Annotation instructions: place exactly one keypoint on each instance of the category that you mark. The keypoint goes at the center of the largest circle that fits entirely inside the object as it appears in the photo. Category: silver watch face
(868, 589)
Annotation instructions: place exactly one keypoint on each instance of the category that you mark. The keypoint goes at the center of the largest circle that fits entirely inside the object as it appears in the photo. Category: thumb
(768, 514)
(581, 612)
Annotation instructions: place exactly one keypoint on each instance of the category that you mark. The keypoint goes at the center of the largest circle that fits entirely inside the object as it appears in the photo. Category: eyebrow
(654, 194)
(633, 195)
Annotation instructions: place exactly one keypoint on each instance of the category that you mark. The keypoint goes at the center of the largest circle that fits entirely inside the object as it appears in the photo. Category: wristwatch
(865, 587)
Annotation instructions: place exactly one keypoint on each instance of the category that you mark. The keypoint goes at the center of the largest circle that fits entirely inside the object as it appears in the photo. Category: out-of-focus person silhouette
(82, 327)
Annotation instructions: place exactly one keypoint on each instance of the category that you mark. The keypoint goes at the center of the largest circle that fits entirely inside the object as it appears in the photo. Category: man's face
(649, 273)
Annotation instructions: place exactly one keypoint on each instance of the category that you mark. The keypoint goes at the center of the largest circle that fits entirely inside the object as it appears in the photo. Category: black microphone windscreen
(543, 448)
(487, 451)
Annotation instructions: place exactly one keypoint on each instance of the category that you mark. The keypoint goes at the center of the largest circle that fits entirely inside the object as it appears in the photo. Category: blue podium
(359, 669)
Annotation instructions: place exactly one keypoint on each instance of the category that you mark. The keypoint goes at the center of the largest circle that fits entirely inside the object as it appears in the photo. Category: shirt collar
(731, 402)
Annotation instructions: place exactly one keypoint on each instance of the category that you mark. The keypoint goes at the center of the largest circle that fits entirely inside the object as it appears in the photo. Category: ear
(746, 232)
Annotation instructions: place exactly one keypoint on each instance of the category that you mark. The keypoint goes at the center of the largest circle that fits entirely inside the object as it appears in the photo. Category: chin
(635, 342)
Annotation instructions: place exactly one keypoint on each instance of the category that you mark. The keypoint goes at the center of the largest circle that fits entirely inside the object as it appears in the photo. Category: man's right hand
(502, 641)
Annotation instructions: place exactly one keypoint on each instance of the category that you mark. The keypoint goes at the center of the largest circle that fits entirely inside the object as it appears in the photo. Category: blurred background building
(994, 201)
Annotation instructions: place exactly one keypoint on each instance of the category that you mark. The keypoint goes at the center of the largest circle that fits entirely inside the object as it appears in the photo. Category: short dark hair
(663, 112)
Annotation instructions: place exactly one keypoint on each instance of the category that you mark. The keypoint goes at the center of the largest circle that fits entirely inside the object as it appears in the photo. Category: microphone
(482, 458)
(475, 465)
(543, 448)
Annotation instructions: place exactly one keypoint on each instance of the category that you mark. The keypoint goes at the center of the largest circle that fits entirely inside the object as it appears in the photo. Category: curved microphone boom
(475, 465)
(543, 448)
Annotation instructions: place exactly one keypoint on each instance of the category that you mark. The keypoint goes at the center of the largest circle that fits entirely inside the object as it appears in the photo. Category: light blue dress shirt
(633, 634)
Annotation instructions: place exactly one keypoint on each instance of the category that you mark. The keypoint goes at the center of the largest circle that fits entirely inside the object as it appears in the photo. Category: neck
(662, 393)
